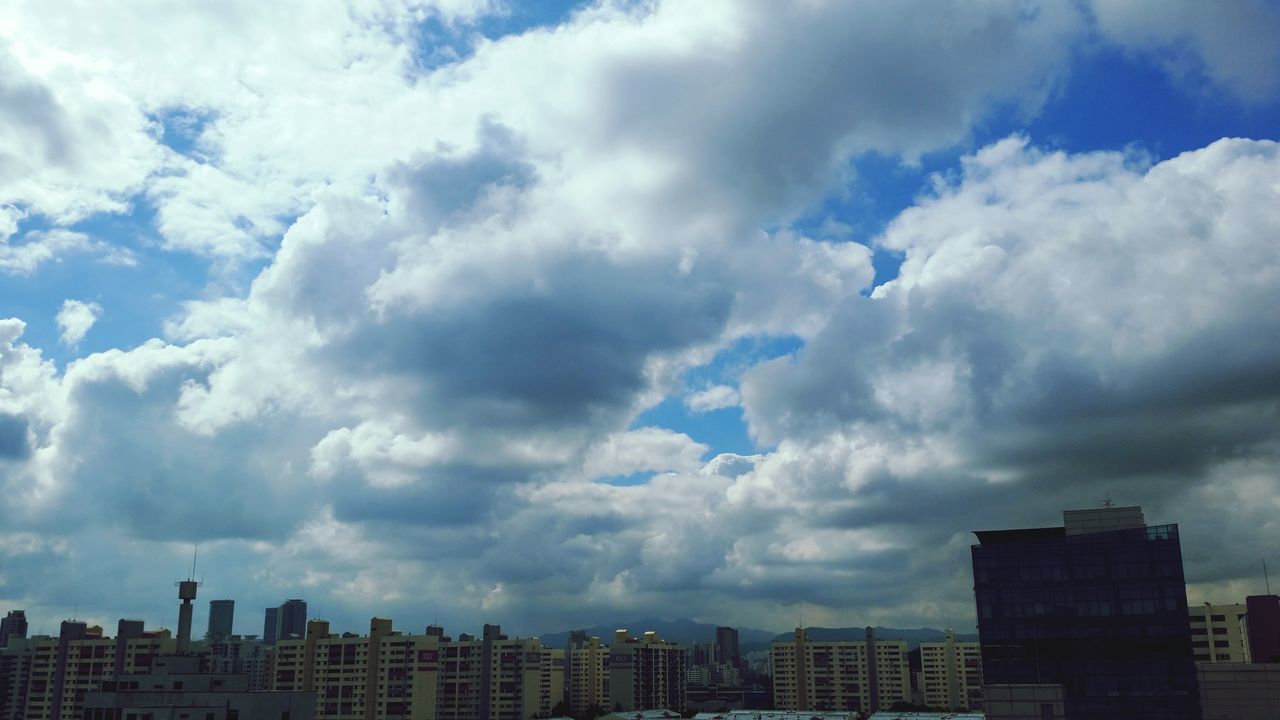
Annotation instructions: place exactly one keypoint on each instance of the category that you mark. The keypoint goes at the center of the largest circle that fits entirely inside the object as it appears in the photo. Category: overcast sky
(554, 315)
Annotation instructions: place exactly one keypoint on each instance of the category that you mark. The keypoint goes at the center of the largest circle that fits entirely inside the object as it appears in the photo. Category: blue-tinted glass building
(1098, 606)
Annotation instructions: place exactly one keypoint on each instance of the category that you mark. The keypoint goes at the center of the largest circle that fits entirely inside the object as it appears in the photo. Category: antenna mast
(1266, 578)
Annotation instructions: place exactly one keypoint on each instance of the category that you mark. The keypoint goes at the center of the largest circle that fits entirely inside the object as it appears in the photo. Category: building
(1219, 633)
(60, 671)
(727, 643)
(1097, 606)
(851, 675)
(586, 674)
(270, 625)
(221, 619)
(174, 687)
(15, 676)
(774, 715)
(951, 673)
(646, 673)
(1264, 627)
(14, 625)
(1239, 691)
(292, 620)
(386, 674)
(236, 655)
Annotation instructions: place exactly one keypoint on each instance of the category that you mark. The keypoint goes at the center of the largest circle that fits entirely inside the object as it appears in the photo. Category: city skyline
(566, 313)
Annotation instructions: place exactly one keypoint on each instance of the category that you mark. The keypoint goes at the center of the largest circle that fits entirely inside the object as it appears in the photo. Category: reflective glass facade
(1103, 614)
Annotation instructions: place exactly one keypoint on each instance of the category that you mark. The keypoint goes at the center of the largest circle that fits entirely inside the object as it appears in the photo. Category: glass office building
(1098, 606)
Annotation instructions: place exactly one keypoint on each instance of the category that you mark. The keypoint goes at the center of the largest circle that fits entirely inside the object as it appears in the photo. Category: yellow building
(864, 675)
(1219, 633)
(63, 669)
(420, 677)
(587, 678)
(951, 673)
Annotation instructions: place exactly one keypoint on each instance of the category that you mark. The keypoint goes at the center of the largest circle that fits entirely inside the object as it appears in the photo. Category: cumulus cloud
(471, 291)
(75, 319)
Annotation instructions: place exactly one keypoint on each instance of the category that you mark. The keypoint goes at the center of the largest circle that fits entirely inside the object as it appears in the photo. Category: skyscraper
(221, 617)
(14, 625)
(292, 620)
(1097, 607)
(727, 641)
(270, 625)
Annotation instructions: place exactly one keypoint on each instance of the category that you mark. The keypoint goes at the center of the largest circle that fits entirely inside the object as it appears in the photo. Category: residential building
(1264, 627)
(1097, 606)
(586, 674)
(174, 687)
(853, 675)
(1219, 633)
(386, 674)
(236, 655)
(15, 676)
(14, 625)
(951, 673)
(646, 673)
(221, 619)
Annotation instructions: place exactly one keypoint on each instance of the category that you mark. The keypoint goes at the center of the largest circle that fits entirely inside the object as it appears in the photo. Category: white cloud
(716, 397)
(75, 319)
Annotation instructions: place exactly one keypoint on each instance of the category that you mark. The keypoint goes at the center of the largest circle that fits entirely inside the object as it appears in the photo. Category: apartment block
(856, 675)
(586, 673)
(386, 674)
(1219, 633)
(646, 673)
(951, 673)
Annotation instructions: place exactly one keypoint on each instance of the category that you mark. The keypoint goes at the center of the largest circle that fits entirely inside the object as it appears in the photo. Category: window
(1219, 631)
(1218, 618)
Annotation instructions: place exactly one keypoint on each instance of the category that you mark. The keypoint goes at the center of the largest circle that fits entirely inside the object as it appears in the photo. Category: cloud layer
(472, 278)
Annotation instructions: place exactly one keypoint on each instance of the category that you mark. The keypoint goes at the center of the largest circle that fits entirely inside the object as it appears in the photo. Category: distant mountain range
(689, 632)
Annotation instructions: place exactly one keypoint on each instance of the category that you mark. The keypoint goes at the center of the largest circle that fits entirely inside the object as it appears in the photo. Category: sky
(558, 314)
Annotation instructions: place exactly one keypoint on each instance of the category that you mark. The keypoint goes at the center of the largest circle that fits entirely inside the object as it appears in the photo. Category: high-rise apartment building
(236, 655)
(646, 673)
(292, 623)
(865, 675)
(14, 625)
(586, 674)
(1219, 633)
(422, 677)
(951, 673)
(221, 618)
(1097, 607)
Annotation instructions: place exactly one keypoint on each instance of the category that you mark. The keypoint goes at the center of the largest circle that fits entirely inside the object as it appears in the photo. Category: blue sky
(745, 310)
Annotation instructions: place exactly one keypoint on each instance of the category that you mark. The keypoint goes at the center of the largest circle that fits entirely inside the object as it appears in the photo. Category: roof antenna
(195, 553)
(1266, 578)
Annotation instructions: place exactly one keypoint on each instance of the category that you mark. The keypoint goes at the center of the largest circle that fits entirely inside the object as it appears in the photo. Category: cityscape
(639, 359)
(1085, 620)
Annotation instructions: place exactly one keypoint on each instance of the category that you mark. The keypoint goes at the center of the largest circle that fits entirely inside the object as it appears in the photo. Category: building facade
(1264, 627)
(586, 674)
(14, 625)
(222, 615)
(386, 674)
(291, 621)
(951, 673)
(850, 675)
(1097, 606)
(1219, 633)
(646, 673)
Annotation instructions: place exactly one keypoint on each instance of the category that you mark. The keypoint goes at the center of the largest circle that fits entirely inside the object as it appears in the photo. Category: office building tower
(1219, 633)
(586, 674)
(1096, 608)
(727, 643)
(270, 625)
(221, 618)
(865, 675)
(1264, 627)
(951, 673)
(292, 620)
(646, 673)
(14, 625)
